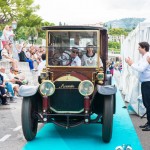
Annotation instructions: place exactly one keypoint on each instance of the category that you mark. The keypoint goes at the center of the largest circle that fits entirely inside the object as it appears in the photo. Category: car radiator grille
(67, 98)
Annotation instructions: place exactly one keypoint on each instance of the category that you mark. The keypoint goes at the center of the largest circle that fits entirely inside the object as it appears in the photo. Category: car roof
(72, 28)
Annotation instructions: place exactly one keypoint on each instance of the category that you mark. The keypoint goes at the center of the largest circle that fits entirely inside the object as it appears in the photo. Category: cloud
(91, 11)
(129, 4)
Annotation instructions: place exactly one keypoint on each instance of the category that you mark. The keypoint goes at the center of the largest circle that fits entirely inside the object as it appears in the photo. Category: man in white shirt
(41, 65)
(76, 61)
(10, 83)
(143, 68)
(8, 57)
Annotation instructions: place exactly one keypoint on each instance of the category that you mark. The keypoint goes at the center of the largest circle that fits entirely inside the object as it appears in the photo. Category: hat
(89, 44)
(75, 48)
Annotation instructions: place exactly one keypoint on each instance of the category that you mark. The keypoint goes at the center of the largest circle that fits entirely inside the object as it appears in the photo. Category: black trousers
(2, 90)
(39, 80)
(145, 89)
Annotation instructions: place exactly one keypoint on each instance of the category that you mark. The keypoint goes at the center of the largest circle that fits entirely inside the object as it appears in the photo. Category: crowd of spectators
(11, 79)
(113, 65)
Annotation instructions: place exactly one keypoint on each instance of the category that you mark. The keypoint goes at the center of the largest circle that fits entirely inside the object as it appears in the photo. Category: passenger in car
(76, 61)
(90, 58)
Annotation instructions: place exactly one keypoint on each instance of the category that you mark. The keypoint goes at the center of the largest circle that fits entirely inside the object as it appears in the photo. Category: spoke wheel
(61, 59)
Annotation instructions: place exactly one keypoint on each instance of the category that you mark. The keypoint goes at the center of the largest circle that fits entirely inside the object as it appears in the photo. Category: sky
(77, 12)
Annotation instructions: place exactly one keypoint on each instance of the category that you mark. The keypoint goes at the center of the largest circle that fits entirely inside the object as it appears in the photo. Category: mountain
(127, 23)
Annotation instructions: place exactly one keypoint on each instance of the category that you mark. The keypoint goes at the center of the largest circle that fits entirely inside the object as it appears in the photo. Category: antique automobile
(74, 88)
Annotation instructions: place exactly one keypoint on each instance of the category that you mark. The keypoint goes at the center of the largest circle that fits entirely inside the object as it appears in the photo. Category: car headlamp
(100, 76)
(86, 88)
(47, 88)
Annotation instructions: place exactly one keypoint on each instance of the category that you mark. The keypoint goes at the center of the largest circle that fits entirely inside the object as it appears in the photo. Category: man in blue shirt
(143, 68)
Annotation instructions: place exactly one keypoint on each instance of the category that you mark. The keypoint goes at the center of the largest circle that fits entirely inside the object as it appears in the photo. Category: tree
(114, 45)
(117, 31)
(22, 11)
(19, 10)
(21, 33)
(42, 33)
(110, 27)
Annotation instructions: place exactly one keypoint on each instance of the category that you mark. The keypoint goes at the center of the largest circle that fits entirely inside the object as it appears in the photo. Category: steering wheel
(60, 59)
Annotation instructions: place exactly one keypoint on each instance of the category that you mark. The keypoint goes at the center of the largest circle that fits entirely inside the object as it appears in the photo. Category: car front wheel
(29, 121)
(107, 118)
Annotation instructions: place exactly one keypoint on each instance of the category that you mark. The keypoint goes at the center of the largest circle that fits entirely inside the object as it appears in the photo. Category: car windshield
(73, 48)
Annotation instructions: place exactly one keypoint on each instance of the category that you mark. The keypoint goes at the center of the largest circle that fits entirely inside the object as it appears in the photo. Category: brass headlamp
(100, 77)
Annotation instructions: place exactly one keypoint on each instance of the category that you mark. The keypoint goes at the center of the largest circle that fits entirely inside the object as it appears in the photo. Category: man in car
(76, 61)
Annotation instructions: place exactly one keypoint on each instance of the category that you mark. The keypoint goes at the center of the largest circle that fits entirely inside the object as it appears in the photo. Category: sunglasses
(75, 52)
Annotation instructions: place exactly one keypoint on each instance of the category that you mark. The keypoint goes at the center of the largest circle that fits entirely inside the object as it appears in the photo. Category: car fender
(106, 89)
(26, 90)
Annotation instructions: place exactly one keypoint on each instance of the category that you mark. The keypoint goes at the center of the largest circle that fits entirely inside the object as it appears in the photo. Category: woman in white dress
(90, 58)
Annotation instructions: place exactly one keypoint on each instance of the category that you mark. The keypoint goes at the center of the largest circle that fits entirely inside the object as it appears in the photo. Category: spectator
(9, 78)
(18, 48)
(5, 35)
(7, 56)
(34, 57)
(120, 66)
(143, 68)
(111, 67)
(2, 90)
(11, 34)
(107, 67)
(40, 52)
(7, 84)
(41, 66)
(19, 78)
(23, 58)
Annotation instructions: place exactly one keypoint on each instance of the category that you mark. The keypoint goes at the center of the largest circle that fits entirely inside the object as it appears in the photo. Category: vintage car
(74, 88)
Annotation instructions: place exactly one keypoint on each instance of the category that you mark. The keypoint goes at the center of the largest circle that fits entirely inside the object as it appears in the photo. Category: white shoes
(15, 97)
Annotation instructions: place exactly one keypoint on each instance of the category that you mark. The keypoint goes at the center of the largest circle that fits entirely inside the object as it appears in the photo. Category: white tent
(129, 83)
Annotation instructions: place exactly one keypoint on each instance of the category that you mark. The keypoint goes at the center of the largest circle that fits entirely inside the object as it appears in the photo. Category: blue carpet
(87, 137)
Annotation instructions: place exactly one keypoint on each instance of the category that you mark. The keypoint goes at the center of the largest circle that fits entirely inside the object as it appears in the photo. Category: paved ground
(143, 136)
(11, 137)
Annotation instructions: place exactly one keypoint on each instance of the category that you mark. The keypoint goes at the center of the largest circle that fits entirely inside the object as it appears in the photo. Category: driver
(76, 61)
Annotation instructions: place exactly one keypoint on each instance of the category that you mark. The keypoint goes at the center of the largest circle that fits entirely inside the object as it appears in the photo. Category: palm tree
(32, 34)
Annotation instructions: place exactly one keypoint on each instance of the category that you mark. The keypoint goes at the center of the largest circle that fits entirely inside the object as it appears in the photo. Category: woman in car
(90, 58)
